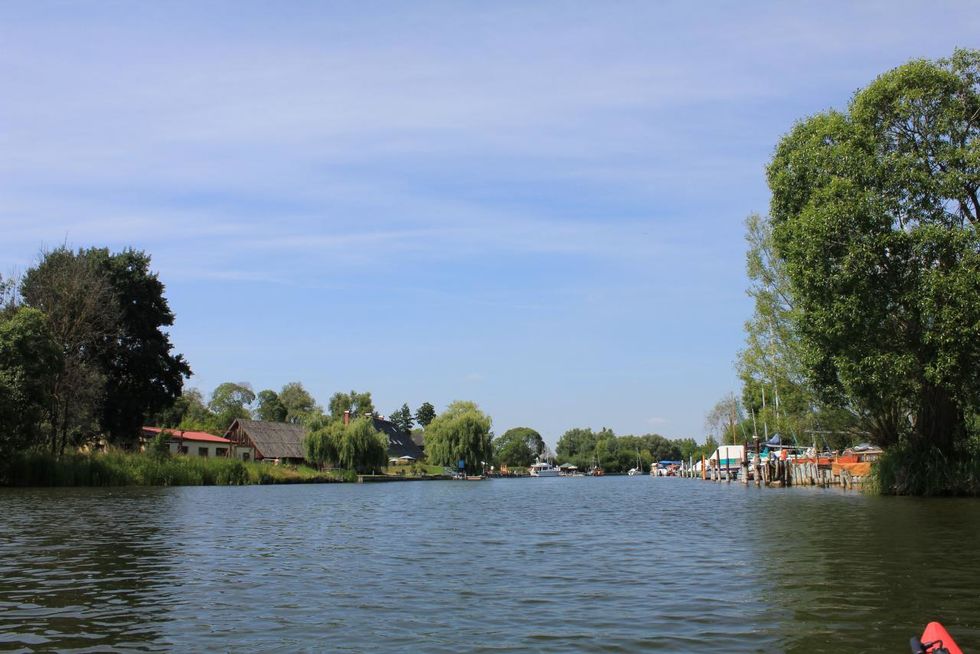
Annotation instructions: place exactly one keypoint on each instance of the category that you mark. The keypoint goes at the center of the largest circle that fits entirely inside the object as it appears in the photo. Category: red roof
(178, 434)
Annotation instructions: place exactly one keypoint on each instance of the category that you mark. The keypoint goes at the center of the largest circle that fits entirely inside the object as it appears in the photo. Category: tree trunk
(939, 420)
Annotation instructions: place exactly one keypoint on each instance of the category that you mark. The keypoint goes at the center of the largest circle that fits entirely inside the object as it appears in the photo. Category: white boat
(543, 469)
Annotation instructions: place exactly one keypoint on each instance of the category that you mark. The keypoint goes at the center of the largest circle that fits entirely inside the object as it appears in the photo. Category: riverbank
(138, 469)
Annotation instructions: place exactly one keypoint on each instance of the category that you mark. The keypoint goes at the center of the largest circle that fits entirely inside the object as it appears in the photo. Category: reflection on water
(586, 564)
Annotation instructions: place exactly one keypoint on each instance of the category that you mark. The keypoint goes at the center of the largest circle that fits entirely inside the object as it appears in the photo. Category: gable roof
(180, 434)
(399, 442)
(273, 440)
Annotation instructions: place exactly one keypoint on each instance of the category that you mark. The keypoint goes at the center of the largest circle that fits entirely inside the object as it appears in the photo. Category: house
(277, 442)
(400, 443)
(199, 443)
(418, 437)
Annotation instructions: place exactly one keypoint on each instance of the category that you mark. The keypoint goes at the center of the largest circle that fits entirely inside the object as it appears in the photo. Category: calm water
(613, 564)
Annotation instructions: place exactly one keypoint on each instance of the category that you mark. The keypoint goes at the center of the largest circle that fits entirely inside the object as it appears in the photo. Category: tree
(321, 443)
(361, 447)
(723, 420)
(875, 214)
(30, 361)
(519, 446)
(299, 404)
(142, 375)
(229, 402)
(425, 414)
(269, 407)
(83, 315)
(460, 433)
(358, 404)
(189, 412)
(403, 419)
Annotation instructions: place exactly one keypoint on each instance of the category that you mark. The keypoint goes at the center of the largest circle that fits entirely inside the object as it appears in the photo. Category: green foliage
(361, 447)
(107, 313)
(425, 414)
(585, 449)
(297, 402)
(229, 402)
(402, 418)
(461, 432)
(321, 443)
(30, 362)
(117, 468)
(358, 404)
(518, 447)
(875, 215)
(269, 408)
(159, 446)
(142, 375)
(923, 469)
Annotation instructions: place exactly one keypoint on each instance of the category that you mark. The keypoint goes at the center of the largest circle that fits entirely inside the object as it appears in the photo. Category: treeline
(866, 278)
(586, 449)
(292, 403)
(83, 351)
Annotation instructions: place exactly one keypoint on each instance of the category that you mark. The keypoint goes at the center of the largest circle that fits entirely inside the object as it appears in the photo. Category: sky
(538, 207)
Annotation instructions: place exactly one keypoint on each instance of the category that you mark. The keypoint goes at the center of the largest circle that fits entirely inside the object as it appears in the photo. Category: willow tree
(460, 433)
(875, 214)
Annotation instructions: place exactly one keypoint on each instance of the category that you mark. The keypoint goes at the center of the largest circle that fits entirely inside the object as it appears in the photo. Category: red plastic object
(935, 631)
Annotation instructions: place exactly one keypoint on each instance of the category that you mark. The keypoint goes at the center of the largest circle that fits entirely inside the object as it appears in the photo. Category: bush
(926, 470)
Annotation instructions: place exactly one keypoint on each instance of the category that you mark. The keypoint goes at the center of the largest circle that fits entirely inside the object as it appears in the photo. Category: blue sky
(535, 206)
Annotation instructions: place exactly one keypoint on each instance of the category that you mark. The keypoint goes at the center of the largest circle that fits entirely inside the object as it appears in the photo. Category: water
(612, 564)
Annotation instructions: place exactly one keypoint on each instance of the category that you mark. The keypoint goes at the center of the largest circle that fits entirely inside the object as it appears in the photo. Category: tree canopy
(460, 433)
(519, 447)
(425, 414)
(875, 214)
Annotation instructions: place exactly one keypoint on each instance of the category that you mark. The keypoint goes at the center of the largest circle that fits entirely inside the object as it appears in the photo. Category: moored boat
(543, 469)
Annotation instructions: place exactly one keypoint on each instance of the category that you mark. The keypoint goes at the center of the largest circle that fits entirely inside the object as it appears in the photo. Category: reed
(115, 468)
(926, 470)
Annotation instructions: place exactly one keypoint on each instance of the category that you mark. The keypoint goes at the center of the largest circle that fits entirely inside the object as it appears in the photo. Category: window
(202, 451)
(246, 456)
(182, 449)
(221, 451)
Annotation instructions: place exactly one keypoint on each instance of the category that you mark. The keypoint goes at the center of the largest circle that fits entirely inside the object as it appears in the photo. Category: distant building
(400, 443)
(199, 443)
(278, 442)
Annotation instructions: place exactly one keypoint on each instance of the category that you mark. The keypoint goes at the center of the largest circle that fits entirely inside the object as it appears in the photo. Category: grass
(908, 470)
(117, 468)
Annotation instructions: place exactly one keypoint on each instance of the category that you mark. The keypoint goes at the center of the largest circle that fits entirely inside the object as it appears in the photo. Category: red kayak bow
(935, 640)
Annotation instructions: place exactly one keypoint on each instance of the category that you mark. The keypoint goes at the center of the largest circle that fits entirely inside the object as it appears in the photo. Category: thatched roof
(273, 440)
(399, 442)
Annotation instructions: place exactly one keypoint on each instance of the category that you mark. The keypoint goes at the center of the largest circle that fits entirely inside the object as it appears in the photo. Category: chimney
(346, 417)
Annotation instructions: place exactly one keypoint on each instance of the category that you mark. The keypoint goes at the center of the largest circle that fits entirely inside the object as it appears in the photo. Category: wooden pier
(775, 473)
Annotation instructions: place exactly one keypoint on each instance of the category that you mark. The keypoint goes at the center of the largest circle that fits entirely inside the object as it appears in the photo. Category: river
(613, 564)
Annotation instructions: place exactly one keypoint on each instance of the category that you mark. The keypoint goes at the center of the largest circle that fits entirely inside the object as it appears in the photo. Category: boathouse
(275, 442)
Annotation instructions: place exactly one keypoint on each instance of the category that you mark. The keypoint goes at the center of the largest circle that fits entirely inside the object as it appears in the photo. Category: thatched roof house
(278, 441)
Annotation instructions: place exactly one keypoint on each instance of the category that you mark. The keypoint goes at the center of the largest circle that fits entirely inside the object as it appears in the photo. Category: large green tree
(30, 361)
(268, 407)
(519, 446)
(83, 315)
(361, 447)
(460, 433)
(402, 418)
(358, 404)
(298, 402)
(229, 402)
(142, 374)
(875, 213)
(425, 414)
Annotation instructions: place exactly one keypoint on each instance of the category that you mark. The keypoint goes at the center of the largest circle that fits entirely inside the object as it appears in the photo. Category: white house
(199, 443)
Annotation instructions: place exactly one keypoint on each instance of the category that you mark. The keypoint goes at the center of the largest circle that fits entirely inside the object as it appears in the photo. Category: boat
(543, 469)
(935, 640)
